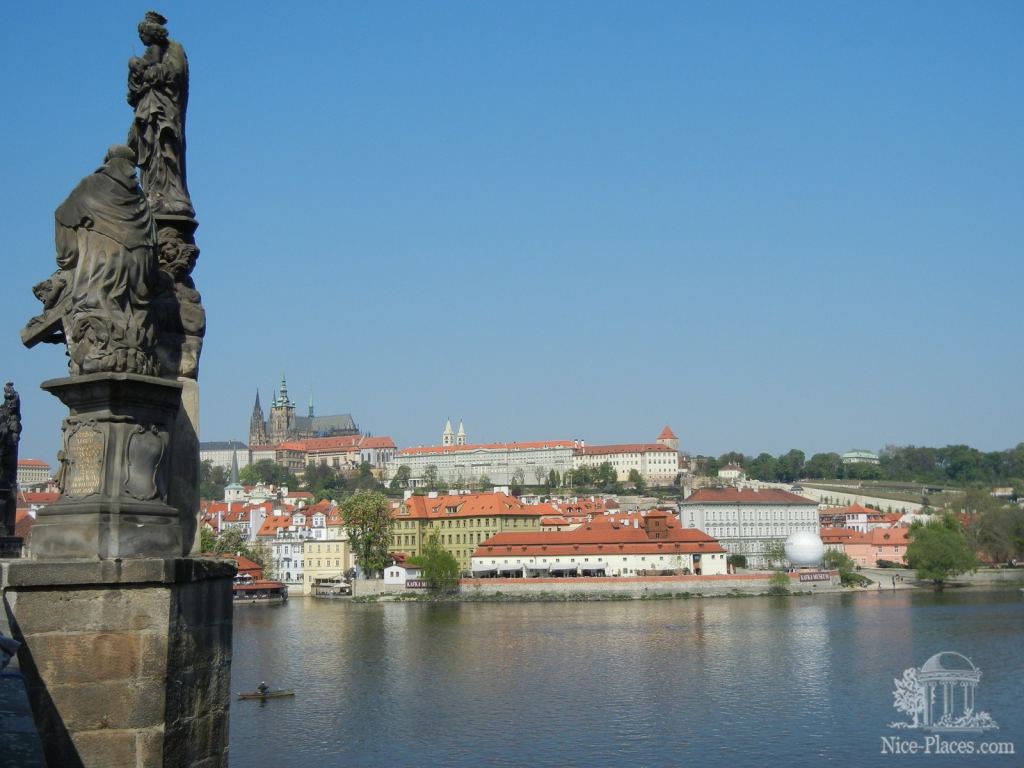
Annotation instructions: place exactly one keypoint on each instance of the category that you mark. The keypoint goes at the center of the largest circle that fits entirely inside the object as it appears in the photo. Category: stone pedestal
(127, 662)
(114, 473)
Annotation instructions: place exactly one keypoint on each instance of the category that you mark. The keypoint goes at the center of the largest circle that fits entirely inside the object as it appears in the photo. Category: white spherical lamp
(804, 549)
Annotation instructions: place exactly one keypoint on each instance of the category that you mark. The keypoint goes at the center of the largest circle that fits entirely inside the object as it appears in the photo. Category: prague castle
(284, 424)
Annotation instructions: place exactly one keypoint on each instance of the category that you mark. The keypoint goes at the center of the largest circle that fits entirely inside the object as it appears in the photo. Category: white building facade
(656, 463)
(32, 472)
(220, 454)
(500, 462)
(655, 545)
(746, 520)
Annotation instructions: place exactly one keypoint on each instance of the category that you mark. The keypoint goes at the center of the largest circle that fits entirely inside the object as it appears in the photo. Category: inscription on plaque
(85, 463)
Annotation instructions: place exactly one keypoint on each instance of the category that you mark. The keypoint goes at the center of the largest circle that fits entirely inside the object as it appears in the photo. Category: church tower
(282, 416)
(460, 439)
(668, 439)
(257, 426)
(448, 437)
(234, 491)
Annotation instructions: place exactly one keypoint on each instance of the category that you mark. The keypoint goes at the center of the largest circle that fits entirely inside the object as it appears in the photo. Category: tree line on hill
(958, 465)
(323, 481)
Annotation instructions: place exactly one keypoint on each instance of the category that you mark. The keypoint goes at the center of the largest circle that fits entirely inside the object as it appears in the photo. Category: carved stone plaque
(84, 463)
(144, 452)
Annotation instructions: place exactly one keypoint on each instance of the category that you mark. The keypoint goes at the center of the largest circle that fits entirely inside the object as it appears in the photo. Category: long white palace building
(458, 461)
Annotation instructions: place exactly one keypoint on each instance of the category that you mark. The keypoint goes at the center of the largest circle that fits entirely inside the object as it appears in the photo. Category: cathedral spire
(257, 425)
(447, 437)
(284, 391)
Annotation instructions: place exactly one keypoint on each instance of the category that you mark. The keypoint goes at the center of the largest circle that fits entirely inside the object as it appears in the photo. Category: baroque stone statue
(158, 91)
(10, 434)
(108, 272)
(122, 298)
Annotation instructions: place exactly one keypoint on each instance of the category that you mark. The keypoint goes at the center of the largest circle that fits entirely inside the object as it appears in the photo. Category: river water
(797, 681)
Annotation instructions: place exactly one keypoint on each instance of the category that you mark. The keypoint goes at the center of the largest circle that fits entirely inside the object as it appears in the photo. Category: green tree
(778, 584)
(775, 552)
(207, 539)
(323, 481)
(707, 466)
(401, 478)
(539, 475)
(837, 560)
(763, 468)
(554, 481)
(732, 457)
(824, 466)
(431, 477)
(637, 480)
(938, 550)
(269, 472)
(998, 532)
(790, 466)
(484, 483)
(439, 566)
(232, 541)
(363, 480)
(367, 518)
(582, 476)
(212, 480)
(606, 476)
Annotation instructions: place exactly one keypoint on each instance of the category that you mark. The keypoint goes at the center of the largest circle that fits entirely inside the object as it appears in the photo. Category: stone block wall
(127, 661)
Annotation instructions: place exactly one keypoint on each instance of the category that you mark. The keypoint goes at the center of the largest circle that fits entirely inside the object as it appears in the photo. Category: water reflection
(719, 682)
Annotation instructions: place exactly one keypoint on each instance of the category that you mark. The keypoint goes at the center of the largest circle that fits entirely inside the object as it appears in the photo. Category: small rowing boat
(268, 695)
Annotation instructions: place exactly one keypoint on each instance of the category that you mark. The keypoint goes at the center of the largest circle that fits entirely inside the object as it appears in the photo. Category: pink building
(866, 549)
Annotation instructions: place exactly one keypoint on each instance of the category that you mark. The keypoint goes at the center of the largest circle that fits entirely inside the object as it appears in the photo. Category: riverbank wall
(598, 587)
(646, 586)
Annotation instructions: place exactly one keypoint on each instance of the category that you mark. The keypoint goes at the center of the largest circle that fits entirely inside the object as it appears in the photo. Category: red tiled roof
(33, 463)
(883, 537)
(468, 505)
(38, 497)
(745, 496)
(590, 450)
(377, 442)
(23, 523)
(600, 540)
(348, 442)
(244, 563)
(273, 522)
(667, 434)
(837, 535)
(252, 586)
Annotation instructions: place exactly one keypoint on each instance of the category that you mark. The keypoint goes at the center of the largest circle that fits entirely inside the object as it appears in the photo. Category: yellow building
(461, 522)
(325, 560)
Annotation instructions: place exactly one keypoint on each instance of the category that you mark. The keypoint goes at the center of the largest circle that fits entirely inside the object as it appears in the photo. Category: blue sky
(768, 225)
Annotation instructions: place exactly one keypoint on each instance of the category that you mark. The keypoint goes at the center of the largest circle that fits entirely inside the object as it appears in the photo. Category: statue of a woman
(158, 90)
